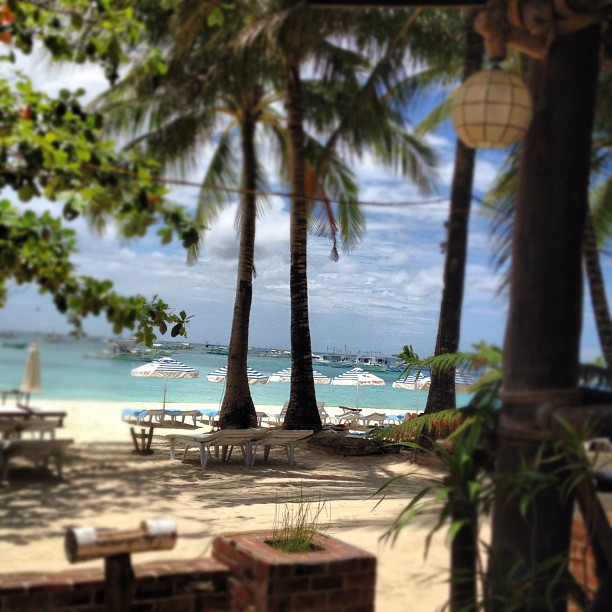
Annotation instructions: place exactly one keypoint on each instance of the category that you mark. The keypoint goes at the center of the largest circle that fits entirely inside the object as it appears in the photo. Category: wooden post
(541, 351)
(119, 583)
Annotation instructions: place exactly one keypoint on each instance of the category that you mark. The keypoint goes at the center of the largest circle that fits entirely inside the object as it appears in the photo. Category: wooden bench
(39, 450)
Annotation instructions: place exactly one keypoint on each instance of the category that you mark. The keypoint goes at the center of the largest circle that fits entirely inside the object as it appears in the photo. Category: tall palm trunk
(597, 288)
(238, 410)
(542, 344)
(442, 390)
(302, 409)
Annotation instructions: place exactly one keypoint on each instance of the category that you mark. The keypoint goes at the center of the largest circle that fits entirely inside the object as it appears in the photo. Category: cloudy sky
(376, 299)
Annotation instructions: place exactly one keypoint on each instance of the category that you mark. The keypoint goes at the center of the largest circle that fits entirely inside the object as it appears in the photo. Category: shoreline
(106, 485)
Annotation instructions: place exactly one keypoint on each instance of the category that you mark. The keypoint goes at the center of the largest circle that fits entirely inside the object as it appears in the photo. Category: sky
(378, 298)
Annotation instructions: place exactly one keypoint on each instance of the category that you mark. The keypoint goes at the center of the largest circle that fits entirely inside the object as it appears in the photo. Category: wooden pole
(119, 583)
(541, 351)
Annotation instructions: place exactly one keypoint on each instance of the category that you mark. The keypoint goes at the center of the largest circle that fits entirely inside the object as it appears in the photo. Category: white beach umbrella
(358, 378)
(254, 377)
(414, 381)
(285, 376)
(31, 376)
(165, 367)
(464, 380)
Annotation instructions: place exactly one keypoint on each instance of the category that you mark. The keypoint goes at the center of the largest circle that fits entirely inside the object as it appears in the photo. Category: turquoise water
(68, 374)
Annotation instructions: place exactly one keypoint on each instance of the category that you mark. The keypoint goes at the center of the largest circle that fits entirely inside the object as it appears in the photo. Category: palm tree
(442, 389)
(209, 91)
(370, 116)
(180, 111)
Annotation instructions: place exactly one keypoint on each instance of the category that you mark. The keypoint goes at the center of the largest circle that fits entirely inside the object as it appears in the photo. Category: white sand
(106, 485)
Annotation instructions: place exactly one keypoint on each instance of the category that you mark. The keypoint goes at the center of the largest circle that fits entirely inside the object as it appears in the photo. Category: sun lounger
(324, 416)
(349, 417)
(276, 420)
(280, 437)
(210, 416)
(39, 450)
(28, 413)
(132, 415)
(224, 438)
(15, 428)
(175, 414)
(373, 419)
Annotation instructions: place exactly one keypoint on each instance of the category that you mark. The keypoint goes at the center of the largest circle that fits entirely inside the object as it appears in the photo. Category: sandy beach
(106, 485)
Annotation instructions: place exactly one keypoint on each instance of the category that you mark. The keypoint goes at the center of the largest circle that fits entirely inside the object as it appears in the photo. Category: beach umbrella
(285, 376)
(414, 381)
(358, 378)
(165, 367)
(31, 376)
(464, 380)
(220, 374)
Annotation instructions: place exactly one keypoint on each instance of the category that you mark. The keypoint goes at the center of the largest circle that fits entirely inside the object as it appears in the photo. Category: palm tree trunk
(302, 409)
(238, 410)
(442, 389)
(597, 288)
(542, 345)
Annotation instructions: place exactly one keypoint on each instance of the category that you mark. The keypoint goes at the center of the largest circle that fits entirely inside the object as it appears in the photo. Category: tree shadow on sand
(102, 479)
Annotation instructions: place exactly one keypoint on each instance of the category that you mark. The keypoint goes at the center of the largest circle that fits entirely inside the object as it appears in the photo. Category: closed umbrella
(165, 367)
(220, 374)
(285, 376)
(31, 376)
(358, 378)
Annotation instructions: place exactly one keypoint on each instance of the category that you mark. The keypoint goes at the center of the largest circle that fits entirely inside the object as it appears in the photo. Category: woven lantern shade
(491, 110)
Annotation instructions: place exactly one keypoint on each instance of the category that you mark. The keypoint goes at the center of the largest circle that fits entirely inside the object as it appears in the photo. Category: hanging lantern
(492, 109)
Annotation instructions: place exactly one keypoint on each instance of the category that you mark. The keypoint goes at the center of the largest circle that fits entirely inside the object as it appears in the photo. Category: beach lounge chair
(209, 416)
(324, 416)
(142, 417)
(224, 438)
(394, 419)
(280, 437)
(374, 419)
(349, 417)
(275, 420)
(39, 450)
(175, 414)
(132, 415)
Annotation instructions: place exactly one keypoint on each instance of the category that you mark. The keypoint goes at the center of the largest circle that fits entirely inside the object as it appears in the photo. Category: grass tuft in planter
(297, 523)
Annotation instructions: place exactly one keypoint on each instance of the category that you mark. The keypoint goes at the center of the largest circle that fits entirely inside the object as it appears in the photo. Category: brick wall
(582, 562)
(175, 585)
(245, 574)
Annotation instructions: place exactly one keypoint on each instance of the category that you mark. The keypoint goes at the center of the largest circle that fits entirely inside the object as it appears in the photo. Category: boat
(15, 345)
(371, 363)
(334, 360)
(128, 351)
(217, 350)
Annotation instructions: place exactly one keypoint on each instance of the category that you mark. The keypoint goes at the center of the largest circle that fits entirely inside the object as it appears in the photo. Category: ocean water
(68, 374)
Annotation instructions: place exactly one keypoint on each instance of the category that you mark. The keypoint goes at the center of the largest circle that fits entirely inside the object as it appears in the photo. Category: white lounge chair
(280, 437)
(224, 438)
(39, 450)
(324, 416)
(350, 417)
(175, 414)
(374, 419)
(275, 420)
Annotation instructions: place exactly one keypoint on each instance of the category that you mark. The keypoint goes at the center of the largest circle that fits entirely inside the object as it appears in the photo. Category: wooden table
(142, 441)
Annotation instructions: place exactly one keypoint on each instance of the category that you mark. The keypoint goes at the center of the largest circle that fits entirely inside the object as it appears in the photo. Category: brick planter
(338, 577)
